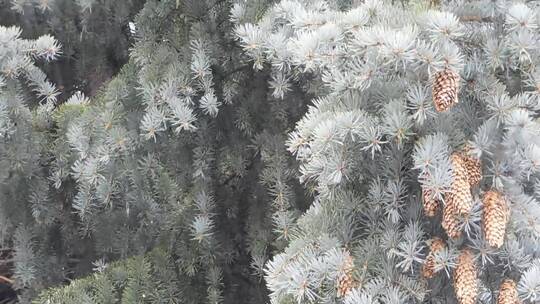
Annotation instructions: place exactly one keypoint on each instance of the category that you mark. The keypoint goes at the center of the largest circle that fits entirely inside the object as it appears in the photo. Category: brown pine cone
(508, 293)
(428, 270)
(431, 205)
(473, 165)
(495, 217)
(445, 89)
(346, 280)
(474, 170)
(460, 188)
(450, 221)
(465, 285)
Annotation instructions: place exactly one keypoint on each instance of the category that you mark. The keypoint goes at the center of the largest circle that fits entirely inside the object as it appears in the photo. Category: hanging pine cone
(495, 217)
(508, 293)
(473, 166)
(465, 286)
(445, 89)
(474, 170)
(461, 188)
(428, 270)
(450, 221)
(346, 280)
(431, 205)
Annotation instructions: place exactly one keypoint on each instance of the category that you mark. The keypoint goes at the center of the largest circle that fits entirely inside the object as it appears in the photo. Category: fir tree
(377, 147)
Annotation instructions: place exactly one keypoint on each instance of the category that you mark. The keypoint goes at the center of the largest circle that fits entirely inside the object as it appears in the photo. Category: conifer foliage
(415, 183)
(293, 151)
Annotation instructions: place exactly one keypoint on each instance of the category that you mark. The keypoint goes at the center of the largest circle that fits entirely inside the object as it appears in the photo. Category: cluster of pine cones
(458, 202)
(466, 174)
(465, 276)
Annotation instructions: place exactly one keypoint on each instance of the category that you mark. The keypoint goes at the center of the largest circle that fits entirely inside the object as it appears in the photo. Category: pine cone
(428, 271)
(445, 89)
(461, 188)
(495, 217)
(450, 221)
(508, 293)
(474, 170)
(346, 280)
(465, 286)
(431, 205)
(472, 164)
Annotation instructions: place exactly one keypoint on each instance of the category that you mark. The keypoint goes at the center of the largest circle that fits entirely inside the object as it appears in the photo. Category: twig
(475, 19)
(7, 280)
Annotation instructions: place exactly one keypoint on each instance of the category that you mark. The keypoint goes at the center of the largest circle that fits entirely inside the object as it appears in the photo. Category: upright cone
(428, 270)
(495, 217)
(508, 293)
(445, 89)
(465, 286)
